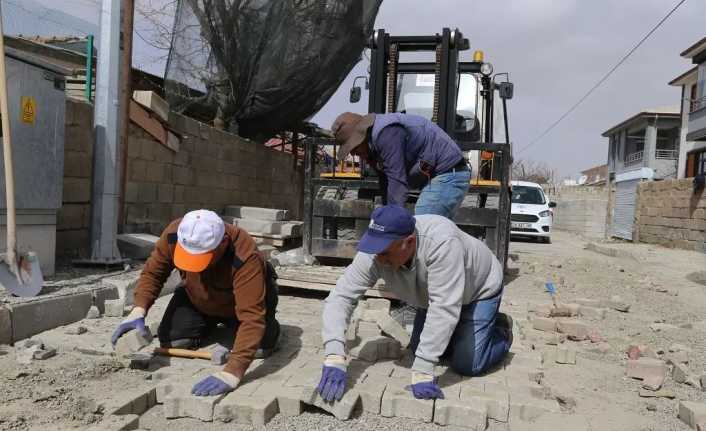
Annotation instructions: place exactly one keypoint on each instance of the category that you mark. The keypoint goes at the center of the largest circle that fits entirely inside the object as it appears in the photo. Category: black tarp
(264, 65)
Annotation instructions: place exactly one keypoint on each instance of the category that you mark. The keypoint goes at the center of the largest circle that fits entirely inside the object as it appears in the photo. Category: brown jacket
(232, 287)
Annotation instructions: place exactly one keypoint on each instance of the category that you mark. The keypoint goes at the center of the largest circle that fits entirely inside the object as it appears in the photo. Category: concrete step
(284, 228)
(136, 245)
(269, 214)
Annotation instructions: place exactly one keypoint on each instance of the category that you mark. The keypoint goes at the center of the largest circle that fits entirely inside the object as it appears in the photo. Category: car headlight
(546, 213)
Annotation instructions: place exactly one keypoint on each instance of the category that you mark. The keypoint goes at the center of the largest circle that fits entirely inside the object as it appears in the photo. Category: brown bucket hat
(350, 130)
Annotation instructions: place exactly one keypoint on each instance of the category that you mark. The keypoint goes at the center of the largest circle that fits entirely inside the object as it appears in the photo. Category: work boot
(270, 342)
(504, 321)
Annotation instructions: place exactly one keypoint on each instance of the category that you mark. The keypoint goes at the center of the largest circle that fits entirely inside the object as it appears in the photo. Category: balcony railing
(634, 158)
(667, 154)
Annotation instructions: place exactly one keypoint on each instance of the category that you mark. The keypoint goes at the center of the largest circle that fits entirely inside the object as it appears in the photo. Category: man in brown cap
(406, 149)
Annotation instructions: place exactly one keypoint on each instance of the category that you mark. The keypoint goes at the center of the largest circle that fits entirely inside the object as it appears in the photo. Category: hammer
(218, 355)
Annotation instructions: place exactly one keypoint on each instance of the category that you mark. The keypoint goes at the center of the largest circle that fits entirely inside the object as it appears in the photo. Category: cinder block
(245, 409)
(645, 368)
(342, 410)
(131, 342)
(544, 324)
(114, 307)
(181, 403)
(692, 413)
(457, 413)
(574, 329)
(256, 213)
(5, 326)
(33, 317)
(398, 401)
(565, 355)
(497, 403)
(136, 245)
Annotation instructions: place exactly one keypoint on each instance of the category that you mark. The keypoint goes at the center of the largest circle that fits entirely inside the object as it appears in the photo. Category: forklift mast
(337, 207)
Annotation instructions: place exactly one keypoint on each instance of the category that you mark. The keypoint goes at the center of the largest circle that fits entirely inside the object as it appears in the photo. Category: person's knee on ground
(480, 359)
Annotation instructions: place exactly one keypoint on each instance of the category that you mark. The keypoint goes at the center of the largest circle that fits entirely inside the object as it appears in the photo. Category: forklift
(458, 96)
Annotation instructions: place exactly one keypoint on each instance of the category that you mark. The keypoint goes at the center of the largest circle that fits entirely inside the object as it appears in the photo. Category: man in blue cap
(407, 150)
(454, 281)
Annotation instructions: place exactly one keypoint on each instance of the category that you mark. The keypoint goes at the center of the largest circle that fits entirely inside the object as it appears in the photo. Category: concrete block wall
(581, 210)
(212, 169)
(670, 213)
(73, 218)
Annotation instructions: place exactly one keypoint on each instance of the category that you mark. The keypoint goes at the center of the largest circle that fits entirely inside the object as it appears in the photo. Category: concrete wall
(671, 214)
(73, 218)
(580, 209)
(212, 169)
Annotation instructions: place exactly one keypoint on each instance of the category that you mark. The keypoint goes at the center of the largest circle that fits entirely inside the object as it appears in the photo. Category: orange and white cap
(198, 235)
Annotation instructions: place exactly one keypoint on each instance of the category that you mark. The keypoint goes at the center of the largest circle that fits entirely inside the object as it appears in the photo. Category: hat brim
(376, 244)
(188, 262)
(359, 135)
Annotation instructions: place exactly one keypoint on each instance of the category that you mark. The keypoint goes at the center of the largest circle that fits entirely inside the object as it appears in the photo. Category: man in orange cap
(224, 280)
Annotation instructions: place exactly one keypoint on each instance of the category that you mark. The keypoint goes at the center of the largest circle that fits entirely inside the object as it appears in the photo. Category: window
(693, 96)
(696, 163)
(527, 195)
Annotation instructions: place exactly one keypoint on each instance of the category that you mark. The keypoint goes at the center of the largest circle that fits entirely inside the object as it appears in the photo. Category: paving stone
(306, 377)
(398, 401)
(592, 312)
(565, 355)
(574, 329)
(378, 304)
(379, 369)
(528, 408)
(342, 410)
(566, 310)
(541, 310)
(134, 401)
(256, 213)
(117, 423)
(681, 374)
(497, 403)
(459, 413)
(616, 303)
(692, 413)
(367, 330)
(181, 403)
(389, 326)
(680, 357)
(646, 368)
(131, 342)
(136, 245)
(45, 353)
(93, 313)
(246, 409)
(114, 307)
(544, 324)
(663, 393)
(371, 389)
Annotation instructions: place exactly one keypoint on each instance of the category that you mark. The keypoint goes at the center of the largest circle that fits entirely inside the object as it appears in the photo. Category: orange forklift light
(486, 155)
(478, 56)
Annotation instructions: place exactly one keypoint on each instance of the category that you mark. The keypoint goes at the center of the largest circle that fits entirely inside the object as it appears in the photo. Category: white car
(531, 214)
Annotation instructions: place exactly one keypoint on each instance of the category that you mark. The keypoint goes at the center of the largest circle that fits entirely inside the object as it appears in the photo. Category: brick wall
(670, 213)
(580, 209)
(211, 170)
(73, 218)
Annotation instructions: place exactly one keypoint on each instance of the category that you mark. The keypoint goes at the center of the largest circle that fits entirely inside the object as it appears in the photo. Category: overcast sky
(554, 51)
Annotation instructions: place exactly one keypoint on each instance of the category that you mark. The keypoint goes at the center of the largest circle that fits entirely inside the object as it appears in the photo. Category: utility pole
(125, 98)
(106, 157)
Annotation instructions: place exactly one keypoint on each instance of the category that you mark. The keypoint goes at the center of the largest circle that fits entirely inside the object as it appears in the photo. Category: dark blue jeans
(444, 194)
(477, 343)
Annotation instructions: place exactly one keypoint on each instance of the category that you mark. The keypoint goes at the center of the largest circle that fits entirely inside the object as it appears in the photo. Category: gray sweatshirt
(450, 269)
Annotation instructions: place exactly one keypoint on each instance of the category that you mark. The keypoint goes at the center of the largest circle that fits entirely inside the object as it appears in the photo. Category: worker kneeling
(453, 279)
(224, 280)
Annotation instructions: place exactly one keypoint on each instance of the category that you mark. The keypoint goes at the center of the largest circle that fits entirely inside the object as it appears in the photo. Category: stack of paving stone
(271, 228)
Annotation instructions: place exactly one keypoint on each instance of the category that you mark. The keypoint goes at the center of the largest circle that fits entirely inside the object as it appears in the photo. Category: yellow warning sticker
(29, 109)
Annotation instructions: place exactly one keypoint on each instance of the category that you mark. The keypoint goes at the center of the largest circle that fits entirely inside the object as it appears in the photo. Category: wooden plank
(323, 287)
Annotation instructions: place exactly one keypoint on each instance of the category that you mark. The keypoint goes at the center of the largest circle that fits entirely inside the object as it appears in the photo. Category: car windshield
(527, 195)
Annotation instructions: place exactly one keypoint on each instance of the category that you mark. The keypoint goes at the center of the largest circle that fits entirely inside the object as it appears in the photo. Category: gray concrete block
(136, 245)
(102, 294)
(378, 304)
(39, 315)
(574, 329)
(256, 213)
(544, 324)
(496, 403)
(368, 330)
(135, 401)
(131, 342)
(181, 403)
(398, 401)
(565, 355)
(45, 353)
(5, 325)
(458, 413)
(342, 410)
(287, 229)
(246, 409)
(592, 312)
(389, 326)
(114, 307)
(529, 408)
(117, 423)
(371, 389)
(376, 348)
(692, 413)
(125, 285)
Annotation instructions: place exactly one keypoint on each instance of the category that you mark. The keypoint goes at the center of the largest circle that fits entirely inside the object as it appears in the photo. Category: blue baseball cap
(387, 224)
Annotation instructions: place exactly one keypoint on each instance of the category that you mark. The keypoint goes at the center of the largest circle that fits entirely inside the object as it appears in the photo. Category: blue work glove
(333, 378)
(424, 387)
(134, 320)
(216, 384)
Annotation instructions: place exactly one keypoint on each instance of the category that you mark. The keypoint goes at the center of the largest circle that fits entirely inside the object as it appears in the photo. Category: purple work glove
(215, 384)
(333, 378)
(135, 320)
(424, 387)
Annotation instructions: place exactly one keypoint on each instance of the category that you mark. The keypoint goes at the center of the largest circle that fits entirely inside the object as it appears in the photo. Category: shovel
(21, 275)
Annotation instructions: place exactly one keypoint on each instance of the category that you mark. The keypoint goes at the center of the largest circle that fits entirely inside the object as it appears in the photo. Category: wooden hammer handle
(183, 353)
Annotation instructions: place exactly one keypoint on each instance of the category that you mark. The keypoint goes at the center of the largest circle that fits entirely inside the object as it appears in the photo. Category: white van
(531, 214)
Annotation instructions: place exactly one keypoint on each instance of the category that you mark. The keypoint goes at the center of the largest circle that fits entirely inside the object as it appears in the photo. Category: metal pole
(125, 98)
(106, 174)
(310, 149)
(88, 91)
